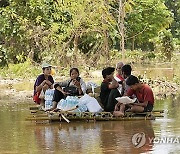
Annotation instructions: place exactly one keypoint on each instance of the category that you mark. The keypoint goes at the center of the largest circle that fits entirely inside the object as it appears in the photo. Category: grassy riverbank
(140, 61)
(17, 79)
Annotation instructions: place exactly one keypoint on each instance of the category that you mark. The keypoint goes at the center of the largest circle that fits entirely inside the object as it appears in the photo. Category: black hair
(74, 68)
(132, 80)
(126, 69)
(107, 71)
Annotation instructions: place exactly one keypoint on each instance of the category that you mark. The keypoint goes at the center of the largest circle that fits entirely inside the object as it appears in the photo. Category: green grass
(21, 70)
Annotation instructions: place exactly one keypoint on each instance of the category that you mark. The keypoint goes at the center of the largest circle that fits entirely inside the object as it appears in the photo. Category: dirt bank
(18, 90)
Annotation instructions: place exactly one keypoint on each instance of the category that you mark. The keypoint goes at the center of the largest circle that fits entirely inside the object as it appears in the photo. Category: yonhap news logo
(140, 139)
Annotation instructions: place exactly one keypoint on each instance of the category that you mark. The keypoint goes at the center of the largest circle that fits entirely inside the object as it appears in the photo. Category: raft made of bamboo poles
(37, 115)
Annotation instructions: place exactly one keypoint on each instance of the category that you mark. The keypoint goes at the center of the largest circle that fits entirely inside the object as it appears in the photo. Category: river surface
(20, 136)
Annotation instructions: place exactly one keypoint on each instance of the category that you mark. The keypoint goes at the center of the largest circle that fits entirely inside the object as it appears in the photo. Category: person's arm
(83, 86)
(80, 85)
(61, 90)
(40, 86)
(114, 84)
(61, 84)
(49, 83)
(123, 88)
(144, 104)
(51, 87)
(80, 90)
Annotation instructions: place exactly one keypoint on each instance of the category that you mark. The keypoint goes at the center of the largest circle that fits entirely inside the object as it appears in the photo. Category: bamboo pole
(55, 116)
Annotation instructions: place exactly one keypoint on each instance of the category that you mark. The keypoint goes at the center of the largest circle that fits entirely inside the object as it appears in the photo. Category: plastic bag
(91, 85)
(48, 98)
(68, 103)
(91, 103)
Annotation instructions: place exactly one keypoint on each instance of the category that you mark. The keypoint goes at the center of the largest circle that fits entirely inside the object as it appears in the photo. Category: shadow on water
(20, 136)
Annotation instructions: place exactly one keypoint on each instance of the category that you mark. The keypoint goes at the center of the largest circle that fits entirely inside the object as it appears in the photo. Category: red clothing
(39, 80)
(144, 94)
(120, 77)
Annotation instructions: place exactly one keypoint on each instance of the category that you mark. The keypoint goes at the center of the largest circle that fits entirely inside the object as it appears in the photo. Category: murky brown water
(20, 136)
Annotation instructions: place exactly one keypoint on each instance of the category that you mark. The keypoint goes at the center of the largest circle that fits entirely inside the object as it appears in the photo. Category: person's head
(74, 73)
(46, 69)
(126, 70)
(133, 82)
(119, 67)
(108, 73)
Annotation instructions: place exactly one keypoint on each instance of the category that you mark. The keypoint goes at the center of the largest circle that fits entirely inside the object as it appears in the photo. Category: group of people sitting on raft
(112, 87)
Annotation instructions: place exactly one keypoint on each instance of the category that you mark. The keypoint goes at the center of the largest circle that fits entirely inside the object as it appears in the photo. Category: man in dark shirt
(42, 83)
(109, 89)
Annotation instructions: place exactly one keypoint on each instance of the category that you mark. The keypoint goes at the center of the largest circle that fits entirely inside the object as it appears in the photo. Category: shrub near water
(21, 70)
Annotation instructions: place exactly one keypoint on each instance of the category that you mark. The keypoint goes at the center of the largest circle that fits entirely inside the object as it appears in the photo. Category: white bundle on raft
(126, 100)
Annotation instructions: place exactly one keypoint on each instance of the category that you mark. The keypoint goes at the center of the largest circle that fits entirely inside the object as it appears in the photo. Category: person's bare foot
(118, 114)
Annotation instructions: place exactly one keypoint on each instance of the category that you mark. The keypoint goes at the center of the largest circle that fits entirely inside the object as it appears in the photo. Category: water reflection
(117, 136)
(99, 137)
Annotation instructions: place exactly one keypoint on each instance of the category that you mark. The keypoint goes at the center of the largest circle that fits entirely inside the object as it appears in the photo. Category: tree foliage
(147, 19)
(174, 7)
(57, 30)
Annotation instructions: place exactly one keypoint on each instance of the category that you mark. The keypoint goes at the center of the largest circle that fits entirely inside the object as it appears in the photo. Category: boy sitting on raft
(144, 95)
(109, 89)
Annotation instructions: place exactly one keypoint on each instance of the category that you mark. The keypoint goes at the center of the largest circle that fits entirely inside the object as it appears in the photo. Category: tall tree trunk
(76, 38)
(105, 38)
(63, 54)
(67, 44)
(106, 44)
(121, 17)
(75, 53)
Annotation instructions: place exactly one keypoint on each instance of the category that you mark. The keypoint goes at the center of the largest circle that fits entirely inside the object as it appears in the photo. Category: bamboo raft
(37, 115)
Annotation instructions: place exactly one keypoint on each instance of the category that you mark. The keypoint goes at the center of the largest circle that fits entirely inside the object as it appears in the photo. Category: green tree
(146, 20)
(174, 7)
(59, 30)
(22, 27)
